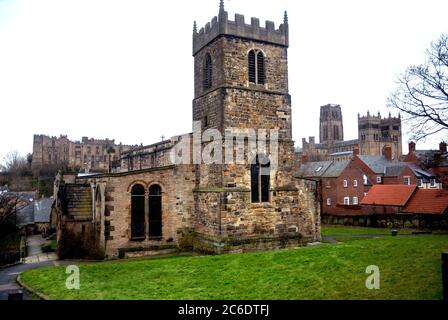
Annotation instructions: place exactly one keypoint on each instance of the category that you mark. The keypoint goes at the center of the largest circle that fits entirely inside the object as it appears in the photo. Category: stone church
(149, 205)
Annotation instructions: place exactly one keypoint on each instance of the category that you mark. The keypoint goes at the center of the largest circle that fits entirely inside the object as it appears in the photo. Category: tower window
(207, 72)
(336, 133)
(256, 67)
(260, 179)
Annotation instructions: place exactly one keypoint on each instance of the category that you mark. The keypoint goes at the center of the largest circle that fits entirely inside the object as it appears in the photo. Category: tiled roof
(389, 195)
(428, 201)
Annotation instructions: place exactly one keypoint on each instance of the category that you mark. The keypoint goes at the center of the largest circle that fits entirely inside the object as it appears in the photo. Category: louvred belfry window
(256, 67)
(207, 72)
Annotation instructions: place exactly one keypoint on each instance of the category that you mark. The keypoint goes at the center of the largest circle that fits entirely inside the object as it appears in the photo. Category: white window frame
(355, 201)
(355, 183)
(328, 201)
(379, 179)
(345, 184)
(365, 179)
(346, 201)
(432, 183)
(408, 178)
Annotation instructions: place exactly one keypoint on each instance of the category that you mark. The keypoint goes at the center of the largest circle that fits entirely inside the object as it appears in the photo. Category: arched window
(256, 67)
(260, 179)
(138, 212)
(155, 211)
(207, 72)
(336, 133)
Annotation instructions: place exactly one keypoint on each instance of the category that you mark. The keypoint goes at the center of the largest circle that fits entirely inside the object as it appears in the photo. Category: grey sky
(124, 70)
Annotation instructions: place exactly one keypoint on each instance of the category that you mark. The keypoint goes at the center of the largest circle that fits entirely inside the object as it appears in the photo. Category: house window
(256, 67)
(419, 182)
(260, 179)
(407, 180)
(346, 201)
(433, 183)
(355, 200)
(378, 179)
(365, 180)
(355, 183)
(345, 184)
(207, 72)
(328, 201)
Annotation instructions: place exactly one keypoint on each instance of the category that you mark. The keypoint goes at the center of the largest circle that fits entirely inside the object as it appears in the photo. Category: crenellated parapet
(221, 25)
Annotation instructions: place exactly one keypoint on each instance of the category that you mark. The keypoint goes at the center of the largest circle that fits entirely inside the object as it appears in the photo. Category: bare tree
(8, 205)
(15, 164)
(422, 92)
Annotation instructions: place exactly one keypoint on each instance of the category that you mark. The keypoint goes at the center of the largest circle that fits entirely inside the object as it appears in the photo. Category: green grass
(49, 246)
(332, 230)
(410, 269)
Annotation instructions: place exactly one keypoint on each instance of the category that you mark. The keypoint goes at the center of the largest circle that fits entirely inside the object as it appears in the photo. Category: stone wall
(410, 221)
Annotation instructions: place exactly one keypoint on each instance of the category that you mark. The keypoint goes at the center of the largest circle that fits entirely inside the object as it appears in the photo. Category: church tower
(241, 82)
(331, 127)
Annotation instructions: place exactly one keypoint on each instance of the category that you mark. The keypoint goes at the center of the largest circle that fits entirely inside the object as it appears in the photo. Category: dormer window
(256, 67)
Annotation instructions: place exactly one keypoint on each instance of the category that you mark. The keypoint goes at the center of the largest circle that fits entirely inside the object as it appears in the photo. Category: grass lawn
(333, 230)
(410, 269)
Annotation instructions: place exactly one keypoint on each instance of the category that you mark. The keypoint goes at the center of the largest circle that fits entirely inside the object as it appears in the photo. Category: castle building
(374, 134)
(150, 203)
(87, 155)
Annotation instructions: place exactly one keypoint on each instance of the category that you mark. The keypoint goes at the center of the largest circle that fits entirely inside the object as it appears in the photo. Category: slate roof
(389, 195)
(25, 215)
(428, 201)
(42, 210)
(427, 157)
(377, 163)
(321, 169)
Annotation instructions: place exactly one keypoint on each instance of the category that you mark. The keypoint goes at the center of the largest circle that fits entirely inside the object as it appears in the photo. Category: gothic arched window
(256, 67)
(138, 212)
(260, 179)
(207, 72)
(336, 133)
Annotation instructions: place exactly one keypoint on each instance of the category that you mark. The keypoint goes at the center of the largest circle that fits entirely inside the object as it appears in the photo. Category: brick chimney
(411, 146)
(356, 151)
(387, 152)
(304, 158)
(442, 147)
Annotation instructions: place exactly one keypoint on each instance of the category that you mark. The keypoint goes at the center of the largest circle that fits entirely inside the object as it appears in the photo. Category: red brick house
(344, 184)
(433, 161)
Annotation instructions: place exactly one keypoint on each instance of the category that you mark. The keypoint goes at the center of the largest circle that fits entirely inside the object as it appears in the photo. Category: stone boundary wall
(411, 221)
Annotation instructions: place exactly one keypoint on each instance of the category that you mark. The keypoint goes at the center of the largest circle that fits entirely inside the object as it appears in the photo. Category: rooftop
(428, 201)
(389, 195)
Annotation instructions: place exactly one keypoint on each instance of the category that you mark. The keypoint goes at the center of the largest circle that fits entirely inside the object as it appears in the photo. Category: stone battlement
(378, 117)
(221, 25)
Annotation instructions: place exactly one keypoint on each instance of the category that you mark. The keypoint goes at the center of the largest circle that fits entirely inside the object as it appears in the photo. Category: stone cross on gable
(162, 137)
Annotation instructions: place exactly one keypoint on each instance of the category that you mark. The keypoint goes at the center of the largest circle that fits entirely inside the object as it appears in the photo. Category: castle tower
(241, 81)
(331, 127)
(375, 132)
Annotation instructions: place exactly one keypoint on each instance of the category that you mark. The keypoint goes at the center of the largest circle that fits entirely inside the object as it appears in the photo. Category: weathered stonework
(209, 207)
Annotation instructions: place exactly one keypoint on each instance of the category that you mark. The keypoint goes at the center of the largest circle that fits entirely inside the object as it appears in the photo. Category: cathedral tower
(331, 127)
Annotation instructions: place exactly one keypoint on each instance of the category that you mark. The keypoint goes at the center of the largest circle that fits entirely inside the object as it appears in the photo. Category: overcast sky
(124, 70)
